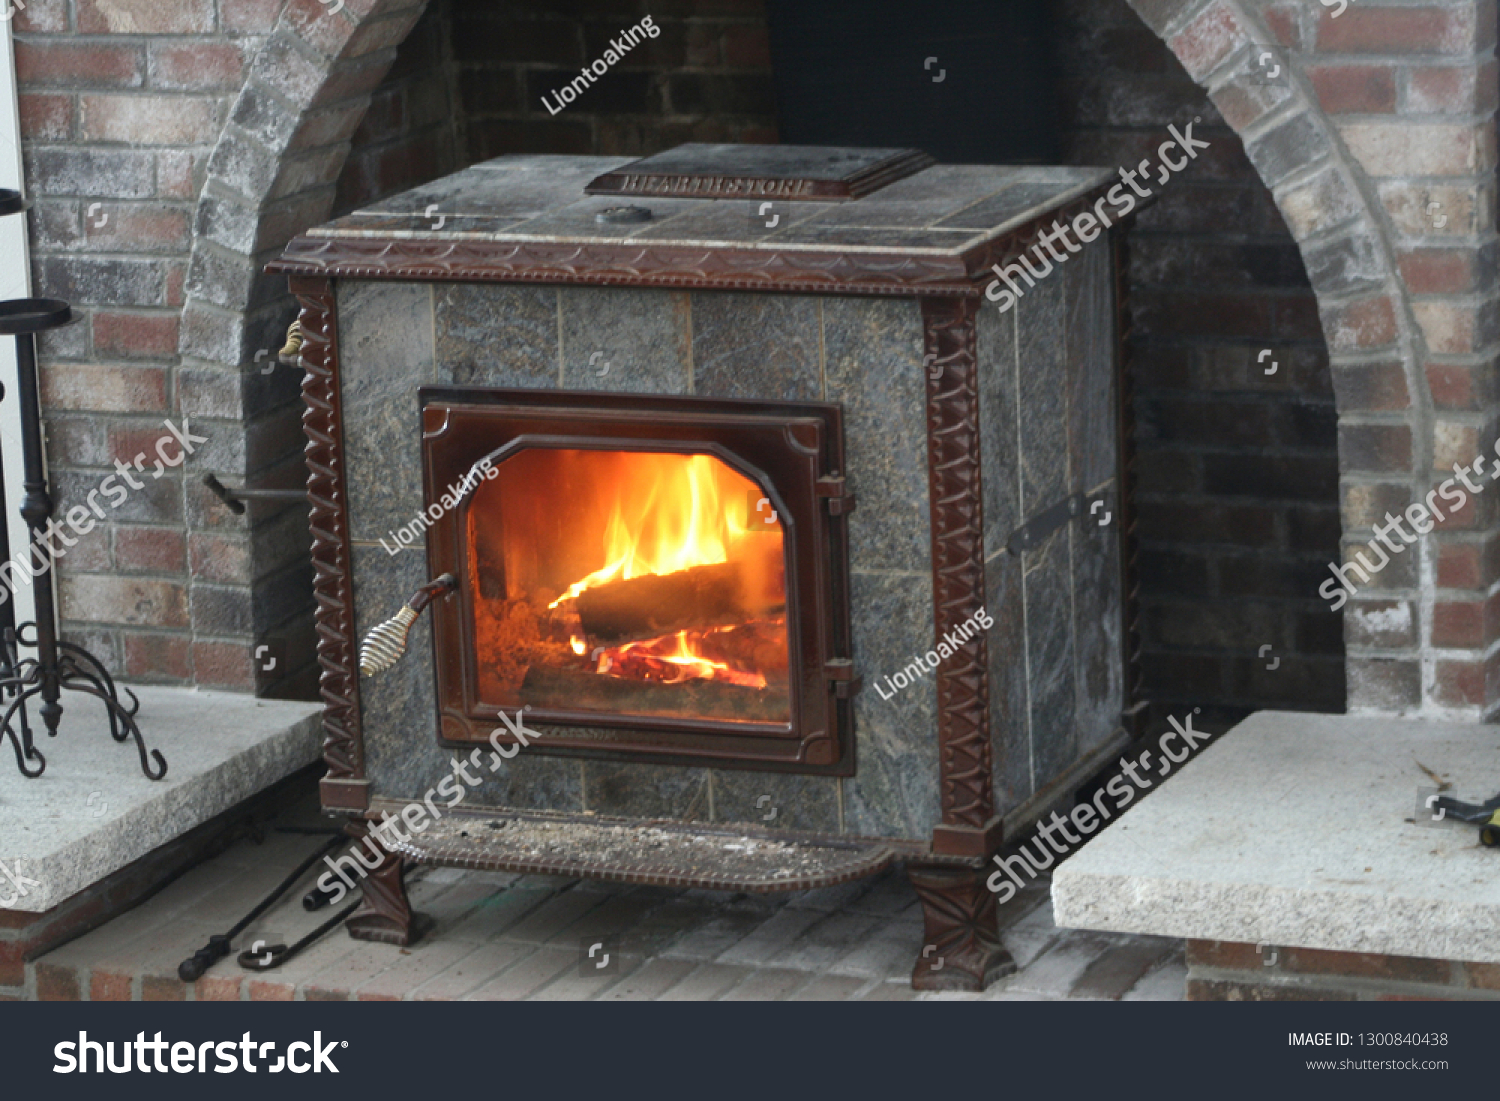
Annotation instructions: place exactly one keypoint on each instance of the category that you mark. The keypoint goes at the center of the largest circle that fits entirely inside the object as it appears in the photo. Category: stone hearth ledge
(1296, 830)
(220, 748)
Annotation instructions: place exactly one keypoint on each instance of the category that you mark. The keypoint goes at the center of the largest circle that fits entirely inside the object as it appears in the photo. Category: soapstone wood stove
(651, 394)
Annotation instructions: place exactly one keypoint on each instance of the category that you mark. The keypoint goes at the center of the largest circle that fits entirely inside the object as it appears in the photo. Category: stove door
(657, 578)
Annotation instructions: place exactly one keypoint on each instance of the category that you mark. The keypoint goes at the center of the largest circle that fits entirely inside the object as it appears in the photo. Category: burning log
(547, 687)
(655, 605)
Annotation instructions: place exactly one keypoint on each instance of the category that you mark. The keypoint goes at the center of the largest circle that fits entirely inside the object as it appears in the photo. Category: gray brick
(56, 226)
(498, 913)
(558, 912)
(310, 171)
(1322, 202)
(207, 392)
(707, 982)
(221, 278)
(156, 502)
(212, 334)
(242, 164)
(1161, 14)
(1118, 970)
(469, 972)
(263, 115)
(284, 69)
(69, 342)
(278, 598)
(228, 222)
(1349, 265)
(768, 940)
(1028, 938)
(573, 985)
(87, 280)
(425, 961)
(890, 949)
(1055, 971)
(650, 982)
(90, 173)
(831, 988)
(616, 916)
(222, 610)
(669, 923)
(824, 943)
(527, 976)
(1286, 148)
(1168, 983)
(768, 986)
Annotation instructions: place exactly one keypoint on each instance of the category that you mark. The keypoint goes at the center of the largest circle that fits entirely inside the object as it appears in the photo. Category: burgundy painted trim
(651, 264)
(345, 787)
(958, 591)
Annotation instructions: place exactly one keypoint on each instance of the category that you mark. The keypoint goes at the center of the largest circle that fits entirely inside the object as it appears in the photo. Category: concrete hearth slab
(1301, 830)
(92, 811)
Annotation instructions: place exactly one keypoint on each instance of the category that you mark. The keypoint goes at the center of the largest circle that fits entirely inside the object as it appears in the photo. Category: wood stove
(611, 419)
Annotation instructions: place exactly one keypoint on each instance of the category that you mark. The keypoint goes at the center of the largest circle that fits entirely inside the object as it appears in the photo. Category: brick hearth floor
(508, 937)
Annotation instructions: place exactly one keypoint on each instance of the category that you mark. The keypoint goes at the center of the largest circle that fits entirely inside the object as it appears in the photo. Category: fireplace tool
(220, 944)
(1486, 816)
(58, 664)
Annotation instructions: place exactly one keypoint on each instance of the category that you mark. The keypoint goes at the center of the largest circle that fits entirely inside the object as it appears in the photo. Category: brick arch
(1327, 174)
(275, 164)
(274, 169)
(272, 174)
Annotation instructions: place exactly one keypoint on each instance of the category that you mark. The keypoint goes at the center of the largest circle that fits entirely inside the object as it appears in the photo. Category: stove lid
(527, 219)
(789, 172)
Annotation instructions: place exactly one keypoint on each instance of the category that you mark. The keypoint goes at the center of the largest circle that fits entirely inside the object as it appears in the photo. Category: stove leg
(961, 949)
(386, 915)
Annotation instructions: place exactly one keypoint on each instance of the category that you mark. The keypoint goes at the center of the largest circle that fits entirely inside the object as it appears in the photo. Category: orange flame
(673, 659)
(687, 516)
(673, 513)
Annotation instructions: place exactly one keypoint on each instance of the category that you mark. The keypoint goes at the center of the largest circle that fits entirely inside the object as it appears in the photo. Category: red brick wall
(118, 128)
(414, 129)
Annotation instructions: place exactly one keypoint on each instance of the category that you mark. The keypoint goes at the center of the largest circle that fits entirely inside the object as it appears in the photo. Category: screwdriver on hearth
(1484, 815)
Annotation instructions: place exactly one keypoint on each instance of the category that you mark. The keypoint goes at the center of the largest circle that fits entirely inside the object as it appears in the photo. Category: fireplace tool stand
(58, 665)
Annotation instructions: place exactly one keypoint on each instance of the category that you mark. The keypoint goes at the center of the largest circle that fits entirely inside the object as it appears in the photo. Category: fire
(673, 659)
(676, 512)
(685, 517)
(644, 582)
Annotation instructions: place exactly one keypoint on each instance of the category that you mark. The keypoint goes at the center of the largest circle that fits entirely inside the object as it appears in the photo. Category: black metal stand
(58, 665)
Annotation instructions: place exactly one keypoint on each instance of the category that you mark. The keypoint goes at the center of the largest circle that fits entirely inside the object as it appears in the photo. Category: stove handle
(386, 642)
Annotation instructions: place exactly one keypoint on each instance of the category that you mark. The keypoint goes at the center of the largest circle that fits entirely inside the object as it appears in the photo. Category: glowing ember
(673, 659)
